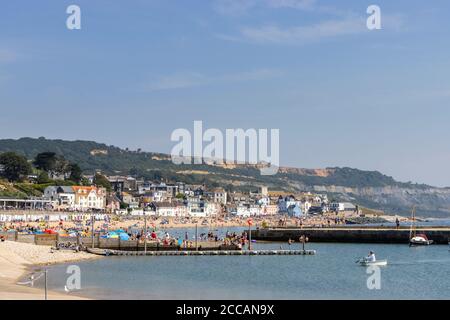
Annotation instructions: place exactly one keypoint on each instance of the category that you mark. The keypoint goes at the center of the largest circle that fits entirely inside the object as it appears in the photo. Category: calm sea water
(412, 273)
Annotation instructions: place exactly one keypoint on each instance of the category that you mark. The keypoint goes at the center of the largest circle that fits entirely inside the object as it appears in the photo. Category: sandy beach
(120, 222)
(16, 261)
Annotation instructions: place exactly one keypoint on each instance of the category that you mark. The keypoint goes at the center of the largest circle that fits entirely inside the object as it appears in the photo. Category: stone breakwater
(440, 235)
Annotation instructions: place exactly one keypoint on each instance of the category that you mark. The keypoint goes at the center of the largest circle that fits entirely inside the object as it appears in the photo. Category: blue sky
(340, 94)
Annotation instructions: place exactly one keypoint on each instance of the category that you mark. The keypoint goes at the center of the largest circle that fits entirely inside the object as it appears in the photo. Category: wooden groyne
(107, 252)
(440, 235)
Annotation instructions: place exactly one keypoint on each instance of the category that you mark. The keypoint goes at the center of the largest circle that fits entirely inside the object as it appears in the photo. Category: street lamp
(145, 232)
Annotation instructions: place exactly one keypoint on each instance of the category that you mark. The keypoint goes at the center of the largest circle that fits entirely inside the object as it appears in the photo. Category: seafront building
(130, 196)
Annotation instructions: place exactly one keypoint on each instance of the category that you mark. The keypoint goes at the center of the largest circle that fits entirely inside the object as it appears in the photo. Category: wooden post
(196, 237)
(92, 230)
(145, 232)
(249, 237)
(45, 287)
(250, 222)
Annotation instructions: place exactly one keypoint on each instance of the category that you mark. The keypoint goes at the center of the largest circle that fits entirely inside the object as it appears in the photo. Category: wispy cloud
(240, 7)
(300, 35)
(295, 4)
(303, 34)
(233, 7)
(190, 80)
(340, 22)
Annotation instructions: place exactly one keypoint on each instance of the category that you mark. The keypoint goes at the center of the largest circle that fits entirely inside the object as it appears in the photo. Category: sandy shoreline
(17, 260)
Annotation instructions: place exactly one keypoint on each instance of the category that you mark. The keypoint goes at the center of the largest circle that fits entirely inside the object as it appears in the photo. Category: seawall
(351, 234)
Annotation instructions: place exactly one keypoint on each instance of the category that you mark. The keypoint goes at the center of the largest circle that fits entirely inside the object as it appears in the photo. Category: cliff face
(308, 172)
(371, 189)
(399, 200)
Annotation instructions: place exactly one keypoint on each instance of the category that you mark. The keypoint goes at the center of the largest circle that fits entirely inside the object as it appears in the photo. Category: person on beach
(397, 223)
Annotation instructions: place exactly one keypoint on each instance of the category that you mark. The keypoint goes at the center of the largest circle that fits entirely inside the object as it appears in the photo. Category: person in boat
(371, 257)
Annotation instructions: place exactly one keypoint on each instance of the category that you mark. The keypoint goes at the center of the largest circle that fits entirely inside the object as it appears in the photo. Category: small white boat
(417, 239)
(420, 240)
(366, 263)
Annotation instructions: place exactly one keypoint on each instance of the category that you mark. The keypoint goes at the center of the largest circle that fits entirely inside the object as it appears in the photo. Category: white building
(166, 209)
(220, 196)
(89, 198)
(212, 209)
(62, 197)
(264, 201)
(337, 206)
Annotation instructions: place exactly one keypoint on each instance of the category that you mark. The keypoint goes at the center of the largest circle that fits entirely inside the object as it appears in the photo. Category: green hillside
(370, 188)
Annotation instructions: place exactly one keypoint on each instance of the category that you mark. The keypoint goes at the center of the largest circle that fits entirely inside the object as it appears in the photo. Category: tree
(61, 166)
(101, 181)
(133, 172)
(51, 163)
(85, 182)
(14, 166)
(45, 161)
(75, 172)
(43, 178)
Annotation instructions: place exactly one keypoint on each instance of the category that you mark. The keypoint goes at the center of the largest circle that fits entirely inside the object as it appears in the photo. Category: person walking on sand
(397, 223)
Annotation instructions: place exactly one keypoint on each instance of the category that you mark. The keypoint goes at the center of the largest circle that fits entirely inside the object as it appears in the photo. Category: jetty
(108, 252)
(360, 234)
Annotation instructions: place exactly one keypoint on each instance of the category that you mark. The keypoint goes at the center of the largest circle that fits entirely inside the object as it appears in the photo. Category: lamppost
(250, 221)
(145, 232)
(92, 230)
(196, 237)
(303, 239)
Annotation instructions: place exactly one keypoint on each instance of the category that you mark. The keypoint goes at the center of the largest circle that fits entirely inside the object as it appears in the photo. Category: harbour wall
(350, 235)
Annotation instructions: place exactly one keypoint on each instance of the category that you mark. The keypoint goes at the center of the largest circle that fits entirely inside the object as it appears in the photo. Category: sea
(411, 273)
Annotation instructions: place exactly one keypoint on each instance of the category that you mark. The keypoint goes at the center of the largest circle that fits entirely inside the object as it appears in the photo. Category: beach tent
(124, 236)
(116, 235)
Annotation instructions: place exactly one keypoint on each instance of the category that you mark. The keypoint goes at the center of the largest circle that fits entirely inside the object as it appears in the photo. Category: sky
(340, 94)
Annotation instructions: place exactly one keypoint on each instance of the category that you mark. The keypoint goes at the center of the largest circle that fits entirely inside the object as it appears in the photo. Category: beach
(17, 260)
(153, 222)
